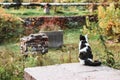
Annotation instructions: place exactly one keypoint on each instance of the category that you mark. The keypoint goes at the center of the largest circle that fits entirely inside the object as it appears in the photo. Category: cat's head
(83, 38)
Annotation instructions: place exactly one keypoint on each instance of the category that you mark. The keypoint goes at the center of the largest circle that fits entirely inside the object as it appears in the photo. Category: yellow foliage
(109, 19)
(6, 16)
(2, 11)
(101, 12)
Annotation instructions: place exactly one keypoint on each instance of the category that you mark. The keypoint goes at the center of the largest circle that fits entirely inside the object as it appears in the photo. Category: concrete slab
(71, 71)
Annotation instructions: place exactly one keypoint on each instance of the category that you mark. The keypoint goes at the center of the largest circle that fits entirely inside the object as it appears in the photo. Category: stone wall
(55, 23)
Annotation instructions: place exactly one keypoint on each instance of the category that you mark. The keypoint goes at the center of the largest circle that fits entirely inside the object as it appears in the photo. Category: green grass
(23, 12)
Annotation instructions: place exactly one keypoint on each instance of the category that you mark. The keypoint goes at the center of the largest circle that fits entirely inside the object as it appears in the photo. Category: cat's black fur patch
(85, 53)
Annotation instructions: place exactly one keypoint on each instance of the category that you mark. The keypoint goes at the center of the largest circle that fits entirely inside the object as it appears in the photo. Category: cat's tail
(91, 63)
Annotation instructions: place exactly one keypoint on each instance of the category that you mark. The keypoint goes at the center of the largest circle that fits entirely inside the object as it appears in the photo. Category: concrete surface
(71, 71)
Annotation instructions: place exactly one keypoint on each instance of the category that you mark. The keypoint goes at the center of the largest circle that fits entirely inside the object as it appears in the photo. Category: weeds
(13, 62)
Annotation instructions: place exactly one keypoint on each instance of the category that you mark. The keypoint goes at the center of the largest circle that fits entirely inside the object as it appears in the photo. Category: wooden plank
(56, 4)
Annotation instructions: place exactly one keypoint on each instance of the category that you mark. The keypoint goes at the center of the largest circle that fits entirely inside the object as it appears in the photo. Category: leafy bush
(109, 19)
(10, 27)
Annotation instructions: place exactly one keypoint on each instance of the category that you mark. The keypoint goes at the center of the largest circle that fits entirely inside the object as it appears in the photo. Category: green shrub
(10, 27)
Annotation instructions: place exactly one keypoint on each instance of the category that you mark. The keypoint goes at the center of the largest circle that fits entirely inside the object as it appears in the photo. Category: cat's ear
(86, 37)
(80, 36)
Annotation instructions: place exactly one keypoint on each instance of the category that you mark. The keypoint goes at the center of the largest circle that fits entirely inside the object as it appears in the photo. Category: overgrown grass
(13, 62)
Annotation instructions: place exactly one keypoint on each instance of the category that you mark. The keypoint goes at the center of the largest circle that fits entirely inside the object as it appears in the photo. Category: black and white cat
(85, 53)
